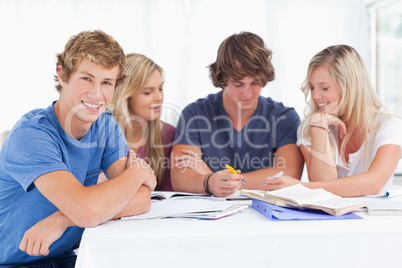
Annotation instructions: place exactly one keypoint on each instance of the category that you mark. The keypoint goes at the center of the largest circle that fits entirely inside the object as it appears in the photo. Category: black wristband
(206, 179)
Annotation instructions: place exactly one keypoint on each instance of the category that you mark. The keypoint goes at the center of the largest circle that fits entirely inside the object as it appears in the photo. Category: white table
(247, 239)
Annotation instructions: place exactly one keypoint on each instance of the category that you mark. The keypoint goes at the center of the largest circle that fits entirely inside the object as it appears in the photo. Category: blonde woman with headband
(136, 106)
(350, 143)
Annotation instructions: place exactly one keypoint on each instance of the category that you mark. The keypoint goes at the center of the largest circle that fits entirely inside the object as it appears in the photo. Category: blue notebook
(278, 213)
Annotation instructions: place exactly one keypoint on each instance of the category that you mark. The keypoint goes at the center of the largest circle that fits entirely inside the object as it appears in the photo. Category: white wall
(181, 35)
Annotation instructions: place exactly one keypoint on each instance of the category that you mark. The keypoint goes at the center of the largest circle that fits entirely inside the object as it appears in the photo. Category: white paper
(178, 208)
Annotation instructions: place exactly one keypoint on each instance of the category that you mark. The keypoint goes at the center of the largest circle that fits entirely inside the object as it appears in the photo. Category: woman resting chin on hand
(350, 143)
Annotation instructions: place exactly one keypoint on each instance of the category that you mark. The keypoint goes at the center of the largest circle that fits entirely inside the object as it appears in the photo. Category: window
(386, 39)
(386, 25)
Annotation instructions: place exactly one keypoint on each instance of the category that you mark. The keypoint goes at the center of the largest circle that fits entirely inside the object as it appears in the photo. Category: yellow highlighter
(234, 172)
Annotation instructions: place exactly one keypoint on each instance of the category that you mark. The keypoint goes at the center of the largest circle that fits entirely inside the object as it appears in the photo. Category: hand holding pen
(234, 172)
(279, 181)
(275, 176)
(220, 184)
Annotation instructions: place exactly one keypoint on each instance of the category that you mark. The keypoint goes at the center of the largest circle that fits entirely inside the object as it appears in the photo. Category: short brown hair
(96, 46)
(240, 55)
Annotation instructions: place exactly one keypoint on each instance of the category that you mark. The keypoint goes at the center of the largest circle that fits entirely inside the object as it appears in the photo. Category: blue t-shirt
(37, 145)
(205, 124)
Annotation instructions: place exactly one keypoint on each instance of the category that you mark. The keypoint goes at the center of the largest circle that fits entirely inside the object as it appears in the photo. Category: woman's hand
(325, 120)
(280, 182)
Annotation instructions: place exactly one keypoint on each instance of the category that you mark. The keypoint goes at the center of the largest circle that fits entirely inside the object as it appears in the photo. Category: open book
(161, 195)
(298, 196)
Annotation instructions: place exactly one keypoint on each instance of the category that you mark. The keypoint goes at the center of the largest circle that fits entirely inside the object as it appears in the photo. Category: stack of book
(301, 197)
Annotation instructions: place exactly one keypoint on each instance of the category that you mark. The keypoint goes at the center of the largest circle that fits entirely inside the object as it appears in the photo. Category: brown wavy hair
(241, 55)
(96, 46)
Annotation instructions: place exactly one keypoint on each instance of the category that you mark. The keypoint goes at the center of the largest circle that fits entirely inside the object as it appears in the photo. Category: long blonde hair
(359, 104)
(138, 69)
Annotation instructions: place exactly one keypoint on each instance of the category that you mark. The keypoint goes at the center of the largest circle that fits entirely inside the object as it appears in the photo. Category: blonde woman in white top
(350, 143)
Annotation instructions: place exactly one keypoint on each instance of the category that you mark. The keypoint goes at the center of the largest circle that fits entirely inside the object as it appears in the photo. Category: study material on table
(235, 197)
(393, 191)
(189, 208)
(299, 196)
(161, 195)
(213, 215)
(274, 212)
(384, 207)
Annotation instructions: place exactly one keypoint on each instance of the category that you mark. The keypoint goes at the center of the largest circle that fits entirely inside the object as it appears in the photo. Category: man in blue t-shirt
(236, 126)
(50, 161)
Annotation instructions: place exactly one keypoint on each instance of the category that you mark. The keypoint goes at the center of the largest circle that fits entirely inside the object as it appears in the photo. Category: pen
(234, 172)
(276, 176)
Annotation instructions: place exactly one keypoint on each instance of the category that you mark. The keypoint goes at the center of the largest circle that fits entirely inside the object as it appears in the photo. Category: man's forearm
(187, 180)
(140, 203)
